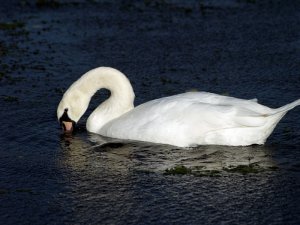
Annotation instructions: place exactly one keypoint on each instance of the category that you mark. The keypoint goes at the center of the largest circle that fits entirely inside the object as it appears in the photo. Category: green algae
(178, 170)
(3, 191)
(3, 49)
(8, 98)
(2, 75)
(201, 172)
(207, 173)
(47, 3)
(11, 25)
(24, 190)
(244, 169)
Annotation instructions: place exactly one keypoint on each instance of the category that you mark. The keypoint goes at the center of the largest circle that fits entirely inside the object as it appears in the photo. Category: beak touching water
(67, 124)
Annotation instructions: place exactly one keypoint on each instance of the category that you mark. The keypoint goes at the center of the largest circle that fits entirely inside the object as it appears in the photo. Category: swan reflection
(119, 156)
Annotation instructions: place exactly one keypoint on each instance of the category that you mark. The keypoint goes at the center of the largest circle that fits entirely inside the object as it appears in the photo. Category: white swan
(188, 119)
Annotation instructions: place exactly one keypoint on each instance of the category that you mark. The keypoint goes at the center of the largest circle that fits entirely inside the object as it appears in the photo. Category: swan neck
(78, 96)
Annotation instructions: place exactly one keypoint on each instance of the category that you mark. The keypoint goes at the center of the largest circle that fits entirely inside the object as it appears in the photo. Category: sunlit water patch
(127, 182)
(112, 154)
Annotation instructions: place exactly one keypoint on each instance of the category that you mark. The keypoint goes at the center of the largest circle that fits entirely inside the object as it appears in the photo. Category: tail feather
(287, 107)
(276, 116)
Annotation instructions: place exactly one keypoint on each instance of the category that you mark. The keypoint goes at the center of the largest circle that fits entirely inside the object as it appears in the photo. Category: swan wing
(184, 118)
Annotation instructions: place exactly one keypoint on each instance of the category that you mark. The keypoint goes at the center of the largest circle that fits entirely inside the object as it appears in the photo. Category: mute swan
(188, 119)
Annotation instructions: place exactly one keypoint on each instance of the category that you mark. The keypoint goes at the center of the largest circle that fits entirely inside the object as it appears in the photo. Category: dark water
(240, 48)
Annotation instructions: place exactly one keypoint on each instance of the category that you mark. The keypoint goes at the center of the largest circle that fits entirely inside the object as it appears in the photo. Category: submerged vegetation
(208, 173)
(47, 3)
(251, 168)
(4, 191)
(11, 25)
(3, 49)
(202, 171)
(9, 67)
(8, 98)
(244, 169)
(13, 28)
(178, 170)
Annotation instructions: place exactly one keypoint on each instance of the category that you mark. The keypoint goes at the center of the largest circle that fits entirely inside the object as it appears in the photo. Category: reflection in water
(123, 182)
(121, 156)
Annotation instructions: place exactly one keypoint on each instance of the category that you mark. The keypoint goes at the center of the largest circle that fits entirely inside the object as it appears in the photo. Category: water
(245, 49)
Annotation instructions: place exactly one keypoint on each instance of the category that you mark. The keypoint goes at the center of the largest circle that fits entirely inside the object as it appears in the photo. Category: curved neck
(78, 96)
(111, 79)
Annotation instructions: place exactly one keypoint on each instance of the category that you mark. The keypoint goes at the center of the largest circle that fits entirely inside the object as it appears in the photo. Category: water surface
(247, 49)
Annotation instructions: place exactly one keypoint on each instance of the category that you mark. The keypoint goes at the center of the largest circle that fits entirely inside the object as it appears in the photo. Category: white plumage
(188, 119)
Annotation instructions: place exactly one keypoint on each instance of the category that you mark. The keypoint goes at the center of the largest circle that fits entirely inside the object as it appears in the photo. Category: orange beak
(67, 126)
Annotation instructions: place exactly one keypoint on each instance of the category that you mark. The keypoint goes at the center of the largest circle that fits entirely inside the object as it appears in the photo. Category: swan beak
(67, 124)
(68, 127)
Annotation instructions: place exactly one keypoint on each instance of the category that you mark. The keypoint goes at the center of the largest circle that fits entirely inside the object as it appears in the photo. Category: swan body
(184, 120)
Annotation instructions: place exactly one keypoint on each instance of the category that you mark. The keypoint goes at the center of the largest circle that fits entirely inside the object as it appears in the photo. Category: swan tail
(278, 114)
(284, 109)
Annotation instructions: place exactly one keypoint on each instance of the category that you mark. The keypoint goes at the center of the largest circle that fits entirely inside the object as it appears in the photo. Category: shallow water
(247, 49)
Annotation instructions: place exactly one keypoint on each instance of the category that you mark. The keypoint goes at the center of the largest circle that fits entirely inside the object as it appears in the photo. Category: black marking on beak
(65, 118)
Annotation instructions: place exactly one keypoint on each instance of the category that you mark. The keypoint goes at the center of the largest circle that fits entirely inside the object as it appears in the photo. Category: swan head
(68, 114)
(71, 107)
(76, 99)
